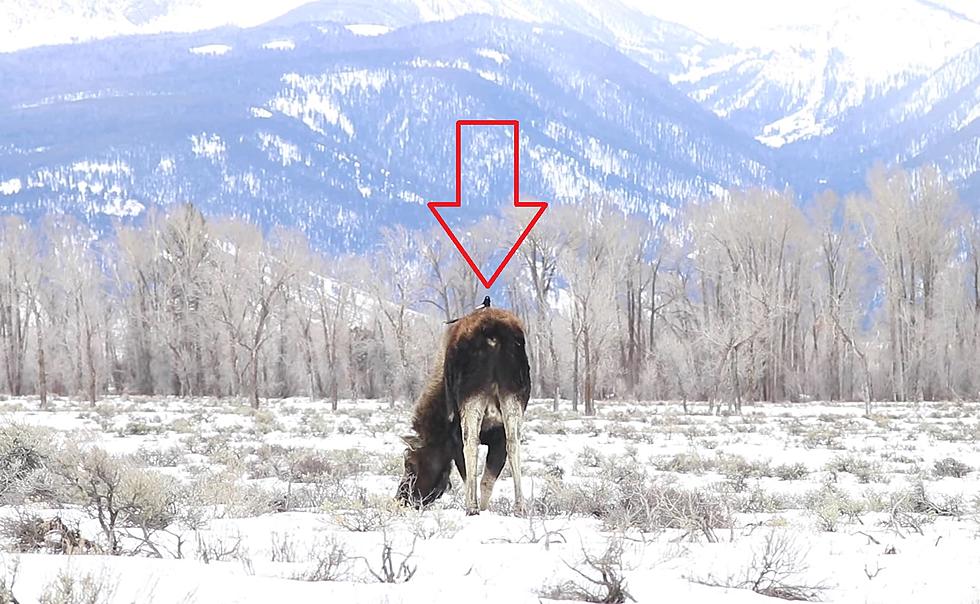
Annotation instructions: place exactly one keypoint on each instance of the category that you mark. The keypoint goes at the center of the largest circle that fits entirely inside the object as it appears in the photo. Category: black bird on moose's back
(477, 395)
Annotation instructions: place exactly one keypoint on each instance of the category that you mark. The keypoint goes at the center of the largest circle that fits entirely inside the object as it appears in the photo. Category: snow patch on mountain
(95, 168)
(316, 100)
(279, 149)
(697, 69)
(244, 182)
(10, 187)
(420, 62)
(491, 76)
(955, 75)
(367, 29)
(95, 188)
(211, 50)
(208, 145)
(122, 208)
(970, 117)
(279, 45)
(494, 55)
(307, 104)
(67, 98)
(800, 125)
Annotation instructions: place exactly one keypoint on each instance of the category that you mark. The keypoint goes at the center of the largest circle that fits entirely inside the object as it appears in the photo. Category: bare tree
(396, 284)
(910, 225)
(750, 283)
(741, 298)
(592, 262)
(79, 298)
(538, 280)
(19, 283)
(249, 275)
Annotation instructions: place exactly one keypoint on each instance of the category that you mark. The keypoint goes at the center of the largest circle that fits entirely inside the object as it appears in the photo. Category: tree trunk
(575, 376)
(42, 370)
(254, 370)
(555, 375)
(235, 385)
(91, 363)
(737, 382)
(589, 375)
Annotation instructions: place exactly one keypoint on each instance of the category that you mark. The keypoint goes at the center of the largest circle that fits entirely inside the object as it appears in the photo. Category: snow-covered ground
(268, 504)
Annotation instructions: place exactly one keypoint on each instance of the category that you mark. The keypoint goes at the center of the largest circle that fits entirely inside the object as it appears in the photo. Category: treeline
(750, 297)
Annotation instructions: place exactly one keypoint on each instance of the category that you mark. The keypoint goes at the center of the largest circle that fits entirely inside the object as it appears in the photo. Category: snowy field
(213, 502)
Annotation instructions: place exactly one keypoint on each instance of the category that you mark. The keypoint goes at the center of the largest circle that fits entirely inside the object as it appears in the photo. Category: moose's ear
(411, 441)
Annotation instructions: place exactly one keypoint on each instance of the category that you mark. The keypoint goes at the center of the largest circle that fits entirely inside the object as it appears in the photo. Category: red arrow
(540, 205)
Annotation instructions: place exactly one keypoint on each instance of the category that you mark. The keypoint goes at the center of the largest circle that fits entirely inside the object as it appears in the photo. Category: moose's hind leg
(513, 416)
(472, 418)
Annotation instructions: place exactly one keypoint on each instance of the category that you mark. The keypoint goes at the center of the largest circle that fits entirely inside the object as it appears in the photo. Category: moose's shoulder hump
(475, 323)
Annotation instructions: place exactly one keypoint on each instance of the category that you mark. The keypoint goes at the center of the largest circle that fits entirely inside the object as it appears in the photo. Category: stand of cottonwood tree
(751, 297)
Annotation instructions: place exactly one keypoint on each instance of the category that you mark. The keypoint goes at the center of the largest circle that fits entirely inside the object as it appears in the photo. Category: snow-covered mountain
(795, 81)
(780, 71)
(935, 119)
(338, 112)
(30, 23)
(322, 127)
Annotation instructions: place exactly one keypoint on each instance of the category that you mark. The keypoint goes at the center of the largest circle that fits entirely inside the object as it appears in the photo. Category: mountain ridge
(328, 126)
(334, 130)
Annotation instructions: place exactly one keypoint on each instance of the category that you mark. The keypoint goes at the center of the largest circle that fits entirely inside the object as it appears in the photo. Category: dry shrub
(685, 463)
(831, 505)
(283, 548)
(912, 509)
(865, 470)
(777, 570)
(26, 452)
(223, 493)
(737, 471)
(600, 579)
(950, 467)
(30, 533)
(120, 495)
(8, 577)
(794, 471)
(25, 533)
(625, 498)
(314, 478)
(393, 566)
(374, 514)
(220, 548)
(328, 561)
(85, 588)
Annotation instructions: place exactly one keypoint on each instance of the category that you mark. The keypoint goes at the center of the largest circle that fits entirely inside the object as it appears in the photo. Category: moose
(476, 395)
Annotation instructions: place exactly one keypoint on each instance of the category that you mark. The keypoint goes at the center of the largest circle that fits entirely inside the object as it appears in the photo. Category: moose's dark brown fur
(477, 394)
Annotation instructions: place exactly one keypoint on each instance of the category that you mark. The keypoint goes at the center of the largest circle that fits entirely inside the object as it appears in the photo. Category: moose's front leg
(513, 419)
(472, 418)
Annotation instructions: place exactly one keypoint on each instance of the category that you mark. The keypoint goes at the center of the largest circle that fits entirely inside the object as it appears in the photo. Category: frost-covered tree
(592, 262)
(19, 280)
(78, 307)
(910, 224)
(746, 297)
(249, 275)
